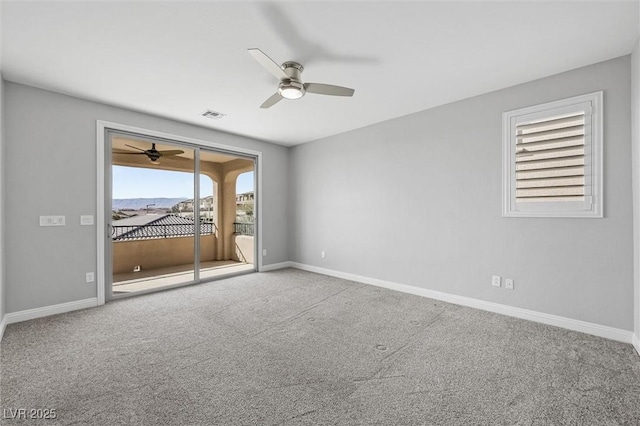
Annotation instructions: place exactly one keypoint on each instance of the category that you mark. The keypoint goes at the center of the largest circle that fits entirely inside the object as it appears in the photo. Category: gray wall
(2, 285)
(51, 141)
(635, 114)
(417, 200)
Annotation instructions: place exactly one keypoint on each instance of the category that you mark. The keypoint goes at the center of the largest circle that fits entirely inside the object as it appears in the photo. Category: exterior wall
(59, 148)
(244, 251)
(417, 200)
(160, 252)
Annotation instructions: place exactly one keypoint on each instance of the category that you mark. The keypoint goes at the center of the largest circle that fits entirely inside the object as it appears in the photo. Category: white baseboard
(45, 311)
(274, 266)
(3, 325)
(558, 321)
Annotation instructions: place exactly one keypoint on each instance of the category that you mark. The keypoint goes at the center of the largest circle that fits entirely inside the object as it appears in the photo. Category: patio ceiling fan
(291, 85)
(153, 154)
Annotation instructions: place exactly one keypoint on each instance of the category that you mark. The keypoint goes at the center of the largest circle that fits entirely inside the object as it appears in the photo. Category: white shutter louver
(552, 159)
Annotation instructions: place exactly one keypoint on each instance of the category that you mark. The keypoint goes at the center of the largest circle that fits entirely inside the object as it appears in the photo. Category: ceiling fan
(291, 85)
(153, 154)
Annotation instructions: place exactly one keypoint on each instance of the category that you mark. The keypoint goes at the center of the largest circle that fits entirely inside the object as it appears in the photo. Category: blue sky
(135, 182)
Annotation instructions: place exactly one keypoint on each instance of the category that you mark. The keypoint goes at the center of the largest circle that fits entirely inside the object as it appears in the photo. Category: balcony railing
(120, 233)
(243, 228)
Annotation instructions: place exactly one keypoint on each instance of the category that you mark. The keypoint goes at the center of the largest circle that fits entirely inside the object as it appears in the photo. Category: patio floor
(161, 277)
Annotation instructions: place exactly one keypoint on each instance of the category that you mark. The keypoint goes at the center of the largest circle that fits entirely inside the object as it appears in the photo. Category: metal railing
(243, 228)
(142, 232)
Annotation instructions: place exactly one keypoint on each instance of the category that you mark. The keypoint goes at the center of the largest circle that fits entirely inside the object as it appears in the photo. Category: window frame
(593, 151)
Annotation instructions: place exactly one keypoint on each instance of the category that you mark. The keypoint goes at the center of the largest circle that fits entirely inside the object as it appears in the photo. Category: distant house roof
(138, 220)
(156, 226)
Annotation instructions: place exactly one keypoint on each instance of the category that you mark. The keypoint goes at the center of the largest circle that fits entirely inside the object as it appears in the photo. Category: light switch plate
(508, 284)
(52, 221)
(86, 219)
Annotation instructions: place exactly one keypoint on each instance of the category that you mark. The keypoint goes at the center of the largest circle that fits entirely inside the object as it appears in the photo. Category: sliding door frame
(102, 156)
(195, 171)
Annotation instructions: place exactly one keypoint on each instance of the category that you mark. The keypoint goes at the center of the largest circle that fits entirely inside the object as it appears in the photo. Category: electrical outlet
(495, 281)
(90, 277)
(264, 252)
(322, 254)
(508, 284)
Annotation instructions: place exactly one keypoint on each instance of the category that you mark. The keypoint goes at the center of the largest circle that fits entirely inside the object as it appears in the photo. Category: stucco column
(214, 171)
(228, 197)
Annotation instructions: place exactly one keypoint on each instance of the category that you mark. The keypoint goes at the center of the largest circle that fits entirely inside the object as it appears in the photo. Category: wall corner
(635, 170)
(2, 168)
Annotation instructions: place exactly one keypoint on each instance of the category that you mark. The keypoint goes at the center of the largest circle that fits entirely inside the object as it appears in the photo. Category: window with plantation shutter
(552, 159)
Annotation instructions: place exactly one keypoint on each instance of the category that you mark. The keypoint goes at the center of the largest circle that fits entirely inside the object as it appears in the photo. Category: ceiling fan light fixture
(291, 90)
(291, 93)
(290, 76)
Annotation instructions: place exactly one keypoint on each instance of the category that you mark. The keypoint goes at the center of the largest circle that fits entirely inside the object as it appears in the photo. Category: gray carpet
(295, 348)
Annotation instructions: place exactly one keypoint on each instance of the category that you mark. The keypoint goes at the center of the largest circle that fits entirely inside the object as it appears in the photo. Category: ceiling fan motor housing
(293, 70)
(292, 88)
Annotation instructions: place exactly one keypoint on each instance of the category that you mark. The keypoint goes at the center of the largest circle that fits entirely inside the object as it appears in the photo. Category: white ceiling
(177, 59)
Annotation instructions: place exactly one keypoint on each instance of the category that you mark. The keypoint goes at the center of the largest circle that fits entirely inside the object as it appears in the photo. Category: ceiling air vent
(214, 115)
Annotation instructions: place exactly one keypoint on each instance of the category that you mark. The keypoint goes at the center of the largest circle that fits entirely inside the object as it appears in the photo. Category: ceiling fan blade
(274, 99)
(139, 149)
(268, 63)
(169, 153)
(129, 153)
(328, 89)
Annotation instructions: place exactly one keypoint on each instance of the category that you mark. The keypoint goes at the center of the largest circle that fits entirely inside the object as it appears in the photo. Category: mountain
(141, 203)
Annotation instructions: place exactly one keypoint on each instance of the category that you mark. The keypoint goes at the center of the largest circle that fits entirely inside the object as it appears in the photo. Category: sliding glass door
(153, 214)
(179, 214)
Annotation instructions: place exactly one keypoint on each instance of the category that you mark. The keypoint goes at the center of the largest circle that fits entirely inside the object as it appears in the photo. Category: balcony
(152, 251)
